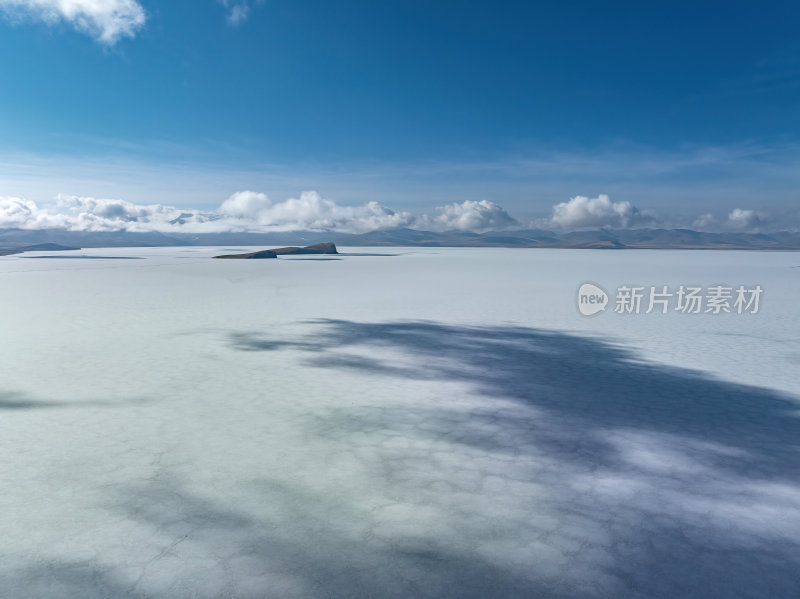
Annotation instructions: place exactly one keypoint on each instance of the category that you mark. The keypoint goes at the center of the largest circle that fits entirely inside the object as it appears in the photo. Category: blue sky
(678, 108)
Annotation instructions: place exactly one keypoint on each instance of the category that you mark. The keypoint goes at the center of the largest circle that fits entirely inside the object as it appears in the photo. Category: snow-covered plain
(425, 423)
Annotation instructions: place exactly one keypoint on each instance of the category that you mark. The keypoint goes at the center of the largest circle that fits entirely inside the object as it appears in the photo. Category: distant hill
(48, 247)
(40, 247)
(17, 238)
(598, 238)
(14, 239)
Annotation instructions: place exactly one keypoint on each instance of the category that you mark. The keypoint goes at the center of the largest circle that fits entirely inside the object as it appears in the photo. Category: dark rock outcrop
(251, 256)
(317, 248)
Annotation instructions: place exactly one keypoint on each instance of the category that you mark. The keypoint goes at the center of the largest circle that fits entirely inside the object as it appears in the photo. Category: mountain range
(22, 239)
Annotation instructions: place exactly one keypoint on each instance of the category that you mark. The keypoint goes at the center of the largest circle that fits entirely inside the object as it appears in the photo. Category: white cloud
(96, 214)
(243, 211)
(239, 9)
(741, 220)
(469, 216)
(248, 209)
(91, 214)
(105, 20)
(245, 204)
(582, 212)
(745, 220)
(17, 213)
(704, 222)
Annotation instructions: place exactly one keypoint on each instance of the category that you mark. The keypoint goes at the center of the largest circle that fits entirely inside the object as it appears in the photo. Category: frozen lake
(417, 423)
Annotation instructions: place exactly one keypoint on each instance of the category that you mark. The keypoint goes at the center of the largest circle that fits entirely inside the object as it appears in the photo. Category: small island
(317, 248)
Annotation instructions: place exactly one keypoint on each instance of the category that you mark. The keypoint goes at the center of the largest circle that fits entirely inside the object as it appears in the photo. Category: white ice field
(432, 423)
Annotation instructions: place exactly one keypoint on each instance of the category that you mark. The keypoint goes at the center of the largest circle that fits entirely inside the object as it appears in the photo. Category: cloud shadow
(530, 463)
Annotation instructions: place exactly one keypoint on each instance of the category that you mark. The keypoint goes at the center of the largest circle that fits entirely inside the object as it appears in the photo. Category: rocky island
(317, 248)
(251, 256)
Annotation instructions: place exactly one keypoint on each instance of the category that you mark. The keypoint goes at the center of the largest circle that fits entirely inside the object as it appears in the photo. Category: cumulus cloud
(245, 204)
(16, 213)
(745, 220)
(106, 20)
(96, 214)
(248, 209)
(243, 211)
(76, 213)
(580, 212)
(469, 216)
(251, 211)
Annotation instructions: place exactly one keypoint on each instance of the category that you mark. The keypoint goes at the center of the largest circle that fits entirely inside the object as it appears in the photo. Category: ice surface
(428, 423)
